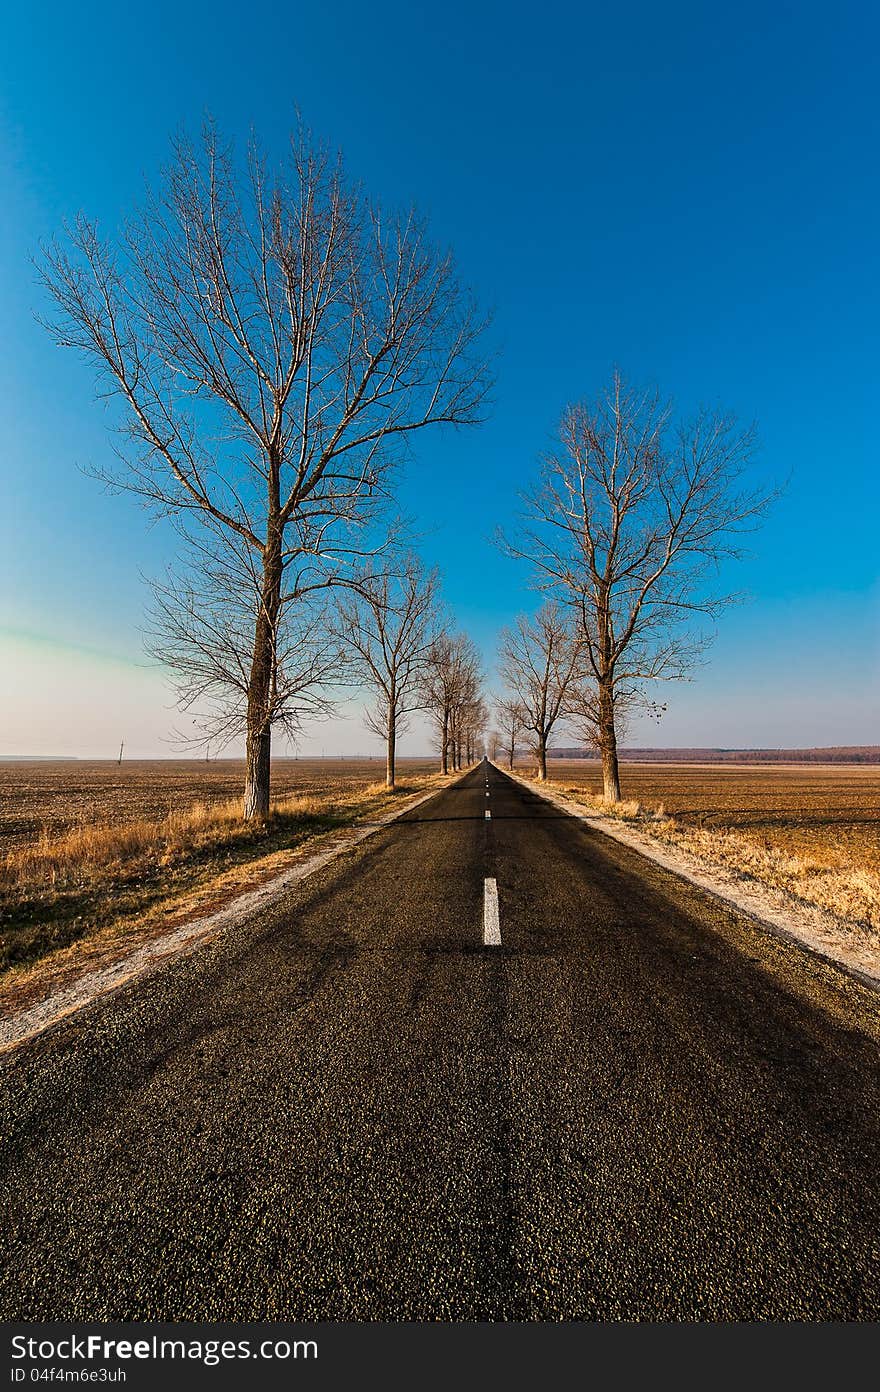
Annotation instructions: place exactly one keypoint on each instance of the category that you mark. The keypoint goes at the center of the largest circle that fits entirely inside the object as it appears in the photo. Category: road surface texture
(638, 1107)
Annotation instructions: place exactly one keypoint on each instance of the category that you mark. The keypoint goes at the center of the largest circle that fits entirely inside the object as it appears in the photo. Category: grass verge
(851, 892)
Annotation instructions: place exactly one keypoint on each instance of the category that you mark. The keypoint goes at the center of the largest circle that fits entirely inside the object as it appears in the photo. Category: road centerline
(491, 918)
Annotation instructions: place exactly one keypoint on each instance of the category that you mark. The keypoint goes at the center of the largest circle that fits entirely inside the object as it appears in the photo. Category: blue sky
(688, 191)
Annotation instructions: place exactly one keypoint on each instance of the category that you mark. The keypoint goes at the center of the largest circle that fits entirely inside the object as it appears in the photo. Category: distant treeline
(838, 754)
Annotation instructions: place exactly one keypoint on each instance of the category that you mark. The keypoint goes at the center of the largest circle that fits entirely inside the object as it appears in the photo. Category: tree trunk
(390, 759)
(542, 760)
(608, 744)
(511, 753)
(261, 683)
(607, 732)
(259, 763)
(444, 751)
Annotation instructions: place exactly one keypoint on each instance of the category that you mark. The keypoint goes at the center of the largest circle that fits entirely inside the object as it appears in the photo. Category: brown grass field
(830, 812)
(53, 798)
(813, 831)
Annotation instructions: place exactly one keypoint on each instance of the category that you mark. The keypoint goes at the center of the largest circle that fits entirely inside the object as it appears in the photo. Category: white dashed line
(491, 921)
(488, 815)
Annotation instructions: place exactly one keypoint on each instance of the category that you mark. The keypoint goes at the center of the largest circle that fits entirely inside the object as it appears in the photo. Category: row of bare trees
(395, 641)
(452, 696)
(273, 341)
(625, 535)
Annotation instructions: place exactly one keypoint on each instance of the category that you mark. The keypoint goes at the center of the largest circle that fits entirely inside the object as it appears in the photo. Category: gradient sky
(688, 191)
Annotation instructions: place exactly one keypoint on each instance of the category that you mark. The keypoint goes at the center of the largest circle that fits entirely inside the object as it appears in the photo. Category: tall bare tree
(511, 723)
(387, 628)
(631, 521)
(273, 339)
(451, 683)
(540, 665)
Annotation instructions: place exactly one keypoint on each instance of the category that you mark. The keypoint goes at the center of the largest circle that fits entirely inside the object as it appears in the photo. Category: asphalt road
(638, 1107)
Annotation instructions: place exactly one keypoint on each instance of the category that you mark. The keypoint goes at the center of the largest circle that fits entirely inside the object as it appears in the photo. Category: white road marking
(488, 815)
(487, 795)
(491, 922)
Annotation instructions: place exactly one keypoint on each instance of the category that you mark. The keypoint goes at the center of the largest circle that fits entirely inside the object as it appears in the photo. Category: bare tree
(273, 340)
(201, 626)
(468, 714)
(473, 718)
(459, 722)
(540, 665)
(386, 626)
(494, 742)
(450, 685)
(584, 713)
(628, 528)
(512, 722)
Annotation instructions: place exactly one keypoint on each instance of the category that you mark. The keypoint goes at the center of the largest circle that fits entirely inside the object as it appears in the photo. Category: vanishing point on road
(489, 1065)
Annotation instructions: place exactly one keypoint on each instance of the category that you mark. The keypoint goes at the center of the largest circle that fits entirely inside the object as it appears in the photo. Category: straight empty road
(483, 1067)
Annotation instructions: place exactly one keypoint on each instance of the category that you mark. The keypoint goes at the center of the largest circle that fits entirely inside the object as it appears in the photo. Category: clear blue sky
(689, 191)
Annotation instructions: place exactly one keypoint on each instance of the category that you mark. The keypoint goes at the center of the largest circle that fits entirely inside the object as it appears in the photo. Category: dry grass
(852, 893)
(99, 875)
(92, 851)
(628, 810)
(56, 798)
(812, 832)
